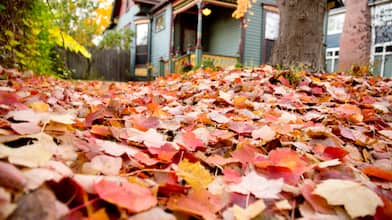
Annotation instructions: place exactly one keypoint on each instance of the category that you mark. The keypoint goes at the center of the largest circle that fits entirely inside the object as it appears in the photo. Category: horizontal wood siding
(223, 32)
(333, 40)
(161, 40)
(254, 34)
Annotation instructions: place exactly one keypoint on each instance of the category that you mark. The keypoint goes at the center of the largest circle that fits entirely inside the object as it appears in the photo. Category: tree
(83, 20)
(356, 36)
(300, 38)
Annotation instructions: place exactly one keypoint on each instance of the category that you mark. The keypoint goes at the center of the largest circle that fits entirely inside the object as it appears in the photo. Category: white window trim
(383, 54)
(333, 57)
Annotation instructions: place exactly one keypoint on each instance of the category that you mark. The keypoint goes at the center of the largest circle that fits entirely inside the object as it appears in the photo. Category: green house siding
(223, 33)
(161, 39)
(254, 34)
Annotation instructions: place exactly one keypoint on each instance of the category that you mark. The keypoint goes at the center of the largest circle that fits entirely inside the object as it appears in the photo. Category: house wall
(161, 40)
(254, 34)
(128, 17)
(223, 32)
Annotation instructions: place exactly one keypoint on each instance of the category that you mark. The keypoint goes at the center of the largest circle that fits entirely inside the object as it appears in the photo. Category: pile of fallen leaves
(212, 145)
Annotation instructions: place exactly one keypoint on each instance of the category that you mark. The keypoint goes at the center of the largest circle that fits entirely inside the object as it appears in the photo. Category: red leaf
(317, 202)
(165, 153)
(286, 157)
(241, 127)
(8, 98)
(351, 112)
(143, 124)
(145, 159)
(92, 116)
(378, 172)
(384, 212)
(276, 172)
(231, 176)
(201, 203)
(334, 152)
(191, 141)
(127, 195)
(245, 154)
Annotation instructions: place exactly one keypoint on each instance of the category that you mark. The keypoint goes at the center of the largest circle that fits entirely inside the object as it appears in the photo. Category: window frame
(163, 25)
(333, 57)
(383, 54)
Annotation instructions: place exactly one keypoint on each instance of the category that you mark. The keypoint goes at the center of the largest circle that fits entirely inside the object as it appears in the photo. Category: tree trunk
(356, 36)
(301, 31)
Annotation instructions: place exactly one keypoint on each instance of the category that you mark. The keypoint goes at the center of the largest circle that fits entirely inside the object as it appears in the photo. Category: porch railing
(218, 60)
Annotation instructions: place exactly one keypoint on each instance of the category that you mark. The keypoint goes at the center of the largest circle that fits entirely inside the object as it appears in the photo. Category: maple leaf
(106, 165)
(351, 112)
(133, 197)
(33, 155)
(259, 186)
(194, 174)
(264, 133)
(190, 141)
(249, 212)
(286, 157)
(241, 127)
(39, 106)
(10, 176)
(378, 172)
(358, 200)
(198, 202)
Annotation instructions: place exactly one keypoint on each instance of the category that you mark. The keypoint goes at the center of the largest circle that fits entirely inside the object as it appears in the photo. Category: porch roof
(183, 5)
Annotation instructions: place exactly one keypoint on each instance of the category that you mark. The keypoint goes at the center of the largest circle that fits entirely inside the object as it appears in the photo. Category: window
(335, 23)
(160, 22)
(332, 59)
(141, 34)
(382, 59)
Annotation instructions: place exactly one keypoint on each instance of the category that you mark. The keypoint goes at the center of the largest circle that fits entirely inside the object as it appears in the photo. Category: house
(381, 40)
(169, 33)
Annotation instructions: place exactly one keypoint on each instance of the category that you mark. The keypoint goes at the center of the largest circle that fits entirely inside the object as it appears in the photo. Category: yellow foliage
(69, 43)
(103, 17)
(194, 174)
(242, 8)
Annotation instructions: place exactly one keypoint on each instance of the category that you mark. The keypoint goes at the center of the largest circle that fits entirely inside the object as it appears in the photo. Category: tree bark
(301, 32)
(356, 37)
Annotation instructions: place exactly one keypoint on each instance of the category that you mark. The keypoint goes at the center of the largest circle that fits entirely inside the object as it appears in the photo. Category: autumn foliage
(218, 145)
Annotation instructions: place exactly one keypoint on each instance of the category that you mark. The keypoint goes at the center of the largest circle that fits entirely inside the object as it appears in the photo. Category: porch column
(198, 51)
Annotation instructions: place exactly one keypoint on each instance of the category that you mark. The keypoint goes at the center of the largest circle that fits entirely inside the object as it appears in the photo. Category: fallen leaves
(212, 145)
(358, 200)
(259, 186)
(128, 195)
(194, 174)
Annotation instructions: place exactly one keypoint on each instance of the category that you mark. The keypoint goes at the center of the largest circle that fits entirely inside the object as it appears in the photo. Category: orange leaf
(127, 195)
(101, 130)
(143, 124)
(240, 101)
(196, 204)
(378, 172)
(286, 157)
(99, 215)
(351, 112)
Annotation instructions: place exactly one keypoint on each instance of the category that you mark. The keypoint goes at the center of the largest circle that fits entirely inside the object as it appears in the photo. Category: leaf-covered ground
(210, 145)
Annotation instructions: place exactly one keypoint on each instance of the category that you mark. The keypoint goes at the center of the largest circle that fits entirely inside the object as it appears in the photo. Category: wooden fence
(105, 64)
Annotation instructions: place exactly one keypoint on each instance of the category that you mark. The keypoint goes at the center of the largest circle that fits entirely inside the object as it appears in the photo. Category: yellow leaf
(194, 174)
(250, 212)
(39, 106)
(358, 200)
